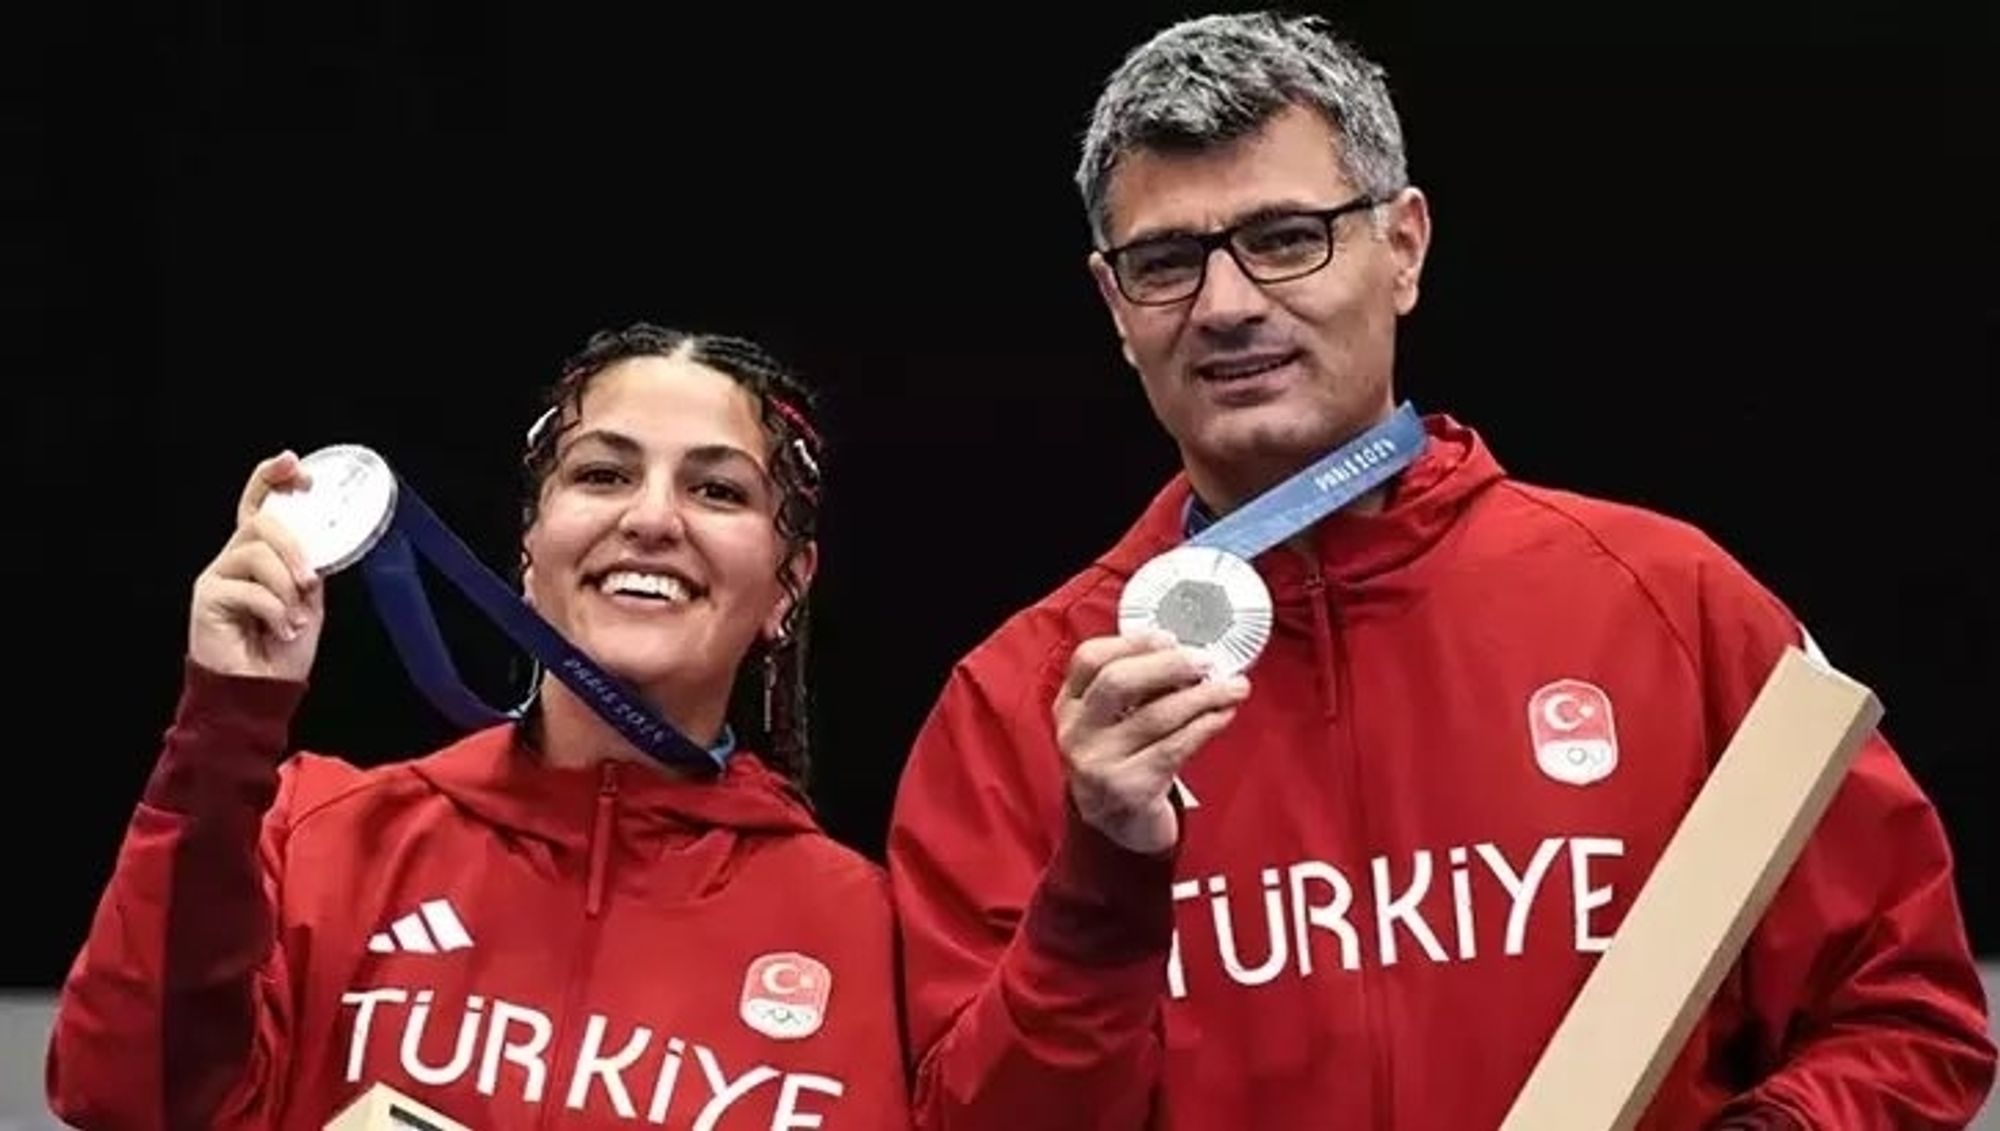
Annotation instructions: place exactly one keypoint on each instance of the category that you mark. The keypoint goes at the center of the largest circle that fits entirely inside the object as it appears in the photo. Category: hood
(498, 778)
(1353, 551)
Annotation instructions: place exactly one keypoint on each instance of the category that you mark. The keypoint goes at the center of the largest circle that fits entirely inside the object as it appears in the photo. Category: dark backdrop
(1734, 265)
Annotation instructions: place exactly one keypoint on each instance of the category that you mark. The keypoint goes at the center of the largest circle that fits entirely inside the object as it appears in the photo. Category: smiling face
(653, 548)
(1253, 380)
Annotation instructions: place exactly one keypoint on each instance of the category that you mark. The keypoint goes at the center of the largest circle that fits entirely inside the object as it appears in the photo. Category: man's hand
(1131, 710)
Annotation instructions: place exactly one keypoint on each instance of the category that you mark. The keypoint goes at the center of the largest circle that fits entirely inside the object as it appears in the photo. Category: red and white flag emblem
(785, 995)
(1575, 739)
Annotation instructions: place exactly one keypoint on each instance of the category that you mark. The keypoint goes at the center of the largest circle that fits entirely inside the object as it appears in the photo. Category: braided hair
(787, 410)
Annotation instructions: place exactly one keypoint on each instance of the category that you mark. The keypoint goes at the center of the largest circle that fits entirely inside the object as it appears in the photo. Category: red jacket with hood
(515, 945)
(1390, 882)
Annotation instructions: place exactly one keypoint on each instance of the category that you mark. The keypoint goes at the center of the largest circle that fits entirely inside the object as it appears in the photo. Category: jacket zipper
(1323, 645)
(603, 830)
(600, 839)
(1330, 652)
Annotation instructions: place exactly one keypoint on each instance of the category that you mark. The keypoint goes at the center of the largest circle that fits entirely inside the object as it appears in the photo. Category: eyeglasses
(1270, 248)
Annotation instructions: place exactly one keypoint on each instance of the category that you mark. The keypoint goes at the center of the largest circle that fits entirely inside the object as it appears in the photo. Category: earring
(770, 688)
(779, 640)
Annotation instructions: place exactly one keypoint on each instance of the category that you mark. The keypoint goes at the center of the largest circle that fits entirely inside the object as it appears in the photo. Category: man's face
(1253, 379)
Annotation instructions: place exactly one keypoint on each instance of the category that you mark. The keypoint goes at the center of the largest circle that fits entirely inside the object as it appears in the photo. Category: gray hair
(1208, 81)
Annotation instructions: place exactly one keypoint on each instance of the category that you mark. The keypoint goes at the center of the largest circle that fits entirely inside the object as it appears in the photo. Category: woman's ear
(802, 567)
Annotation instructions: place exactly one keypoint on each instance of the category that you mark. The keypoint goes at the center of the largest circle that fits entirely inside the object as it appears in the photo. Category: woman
(535, 926)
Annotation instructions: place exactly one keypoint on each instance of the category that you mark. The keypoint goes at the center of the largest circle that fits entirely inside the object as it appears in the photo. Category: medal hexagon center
(1196, 612)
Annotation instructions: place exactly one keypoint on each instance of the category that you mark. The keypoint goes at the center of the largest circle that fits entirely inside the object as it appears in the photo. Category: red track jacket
(517, 946)
(1392, 880)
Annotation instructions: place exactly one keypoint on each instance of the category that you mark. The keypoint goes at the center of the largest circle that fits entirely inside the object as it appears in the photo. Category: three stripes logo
(431, 928)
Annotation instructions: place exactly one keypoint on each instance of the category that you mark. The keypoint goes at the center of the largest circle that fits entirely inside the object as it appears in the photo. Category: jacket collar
(496, 776)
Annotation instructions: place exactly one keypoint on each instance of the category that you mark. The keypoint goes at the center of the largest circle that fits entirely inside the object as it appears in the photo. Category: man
(1360, 887)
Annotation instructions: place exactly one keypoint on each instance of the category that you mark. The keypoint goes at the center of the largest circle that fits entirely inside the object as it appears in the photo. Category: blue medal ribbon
(1330, 483)
(397, 587)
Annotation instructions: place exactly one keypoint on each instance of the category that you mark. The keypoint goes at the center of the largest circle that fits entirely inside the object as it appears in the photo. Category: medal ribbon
(1332, 482)
(398, 590)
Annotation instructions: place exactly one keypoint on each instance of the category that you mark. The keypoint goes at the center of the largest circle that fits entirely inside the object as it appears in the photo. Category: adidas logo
(432, 927)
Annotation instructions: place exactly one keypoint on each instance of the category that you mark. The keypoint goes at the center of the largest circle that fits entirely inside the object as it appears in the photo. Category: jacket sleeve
(1866, 997)
(1034, 950)
(173, 1013)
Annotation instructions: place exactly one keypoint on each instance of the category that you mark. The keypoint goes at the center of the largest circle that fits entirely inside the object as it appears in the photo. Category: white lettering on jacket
(1312, 901)
(506, 1047)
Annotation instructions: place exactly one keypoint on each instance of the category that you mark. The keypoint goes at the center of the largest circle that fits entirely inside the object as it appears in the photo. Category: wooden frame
(1713, 882)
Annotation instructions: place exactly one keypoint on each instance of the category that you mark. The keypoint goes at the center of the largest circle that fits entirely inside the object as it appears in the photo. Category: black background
(1730, 263)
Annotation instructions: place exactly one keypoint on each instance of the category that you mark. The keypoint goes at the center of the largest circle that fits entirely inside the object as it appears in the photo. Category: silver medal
(344, 513)
(1210, 600)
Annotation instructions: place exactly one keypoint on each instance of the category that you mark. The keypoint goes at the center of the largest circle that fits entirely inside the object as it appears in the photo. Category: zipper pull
(1324, 644)
(607, 794)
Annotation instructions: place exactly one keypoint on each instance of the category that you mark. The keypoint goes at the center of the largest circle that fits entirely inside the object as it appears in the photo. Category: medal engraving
(1197, 612)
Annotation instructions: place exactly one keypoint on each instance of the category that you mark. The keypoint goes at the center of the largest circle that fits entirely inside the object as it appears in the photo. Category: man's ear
(1409, 236)
(1114, 301)
(801, 569)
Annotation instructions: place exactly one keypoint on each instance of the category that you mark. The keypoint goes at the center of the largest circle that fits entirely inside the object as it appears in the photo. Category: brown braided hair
(787, 409)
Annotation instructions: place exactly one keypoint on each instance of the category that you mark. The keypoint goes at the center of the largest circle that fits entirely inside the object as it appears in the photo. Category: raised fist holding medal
(258, 607)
